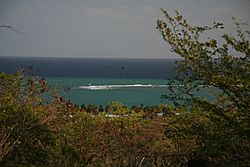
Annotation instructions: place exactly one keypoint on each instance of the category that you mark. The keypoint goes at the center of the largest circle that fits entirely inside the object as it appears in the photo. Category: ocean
(101, 81)
(92, 67)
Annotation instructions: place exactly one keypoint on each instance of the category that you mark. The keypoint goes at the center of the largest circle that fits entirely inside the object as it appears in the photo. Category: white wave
(108, 87)
(103, 87)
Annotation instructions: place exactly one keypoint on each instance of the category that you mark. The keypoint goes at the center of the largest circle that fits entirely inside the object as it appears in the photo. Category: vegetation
(41, 128)
(51, 131)
(219, 130)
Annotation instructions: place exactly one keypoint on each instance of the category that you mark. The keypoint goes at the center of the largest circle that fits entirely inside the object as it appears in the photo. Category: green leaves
(212, 130)
(208, 60)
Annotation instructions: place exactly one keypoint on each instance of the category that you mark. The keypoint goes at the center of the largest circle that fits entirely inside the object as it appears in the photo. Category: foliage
(24, 135)
(36, 131)
(206, 61)
(123, 140)
(219, 130)
(41, 128)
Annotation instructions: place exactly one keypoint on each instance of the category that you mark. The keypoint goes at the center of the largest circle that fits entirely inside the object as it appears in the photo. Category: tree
(208, 62)
(25, 135)
(218, 130)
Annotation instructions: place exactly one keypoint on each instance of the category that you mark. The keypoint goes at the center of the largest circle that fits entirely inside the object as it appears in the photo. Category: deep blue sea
(92, 67)
(100, 81)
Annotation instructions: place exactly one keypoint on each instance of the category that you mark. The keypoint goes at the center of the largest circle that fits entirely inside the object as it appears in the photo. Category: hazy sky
(102, 28)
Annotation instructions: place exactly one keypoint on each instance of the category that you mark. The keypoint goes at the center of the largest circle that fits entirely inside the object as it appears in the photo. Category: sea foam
(110, 87)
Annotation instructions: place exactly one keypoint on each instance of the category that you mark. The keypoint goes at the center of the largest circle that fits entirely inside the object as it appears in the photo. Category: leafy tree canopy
(217, 131)
(223, 65)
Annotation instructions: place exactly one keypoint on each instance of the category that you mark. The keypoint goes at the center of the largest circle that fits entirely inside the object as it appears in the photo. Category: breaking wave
(110, 87)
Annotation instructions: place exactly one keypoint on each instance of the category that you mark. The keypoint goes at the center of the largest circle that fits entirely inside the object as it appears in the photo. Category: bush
(25, 138)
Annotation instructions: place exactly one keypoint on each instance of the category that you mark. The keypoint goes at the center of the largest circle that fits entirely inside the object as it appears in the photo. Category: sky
(102, 28)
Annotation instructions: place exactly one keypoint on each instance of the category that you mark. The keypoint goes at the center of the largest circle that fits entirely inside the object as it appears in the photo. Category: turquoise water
(127, 91)
(102, 91)
(94, 81)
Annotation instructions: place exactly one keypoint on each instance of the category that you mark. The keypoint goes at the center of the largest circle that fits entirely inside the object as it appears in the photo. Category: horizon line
(77, 57)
